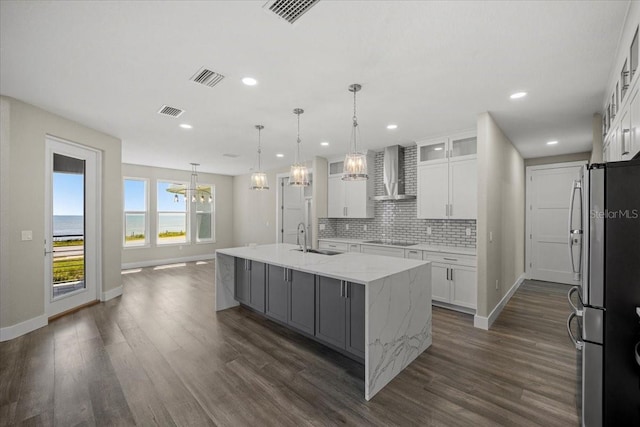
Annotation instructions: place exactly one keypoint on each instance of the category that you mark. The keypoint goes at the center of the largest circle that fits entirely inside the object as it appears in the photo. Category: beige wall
(155, 254)
(575, 157)
(596, 151)
(501, 202)
(23, 206)
(254, 212)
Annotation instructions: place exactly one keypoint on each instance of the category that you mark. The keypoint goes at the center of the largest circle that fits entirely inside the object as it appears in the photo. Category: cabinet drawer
(383, 250)
(412, 254)
(354, 247)
(333, 246)
(469, 260)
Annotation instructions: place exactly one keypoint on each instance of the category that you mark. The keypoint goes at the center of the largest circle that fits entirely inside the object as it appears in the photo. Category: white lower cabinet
(440, 288)
(383, 250)
(453, 279)
(463, 286)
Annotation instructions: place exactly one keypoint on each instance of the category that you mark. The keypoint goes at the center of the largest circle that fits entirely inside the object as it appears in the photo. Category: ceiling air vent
(207, 77)
(290, 10)
(170, 111)
(231, 155)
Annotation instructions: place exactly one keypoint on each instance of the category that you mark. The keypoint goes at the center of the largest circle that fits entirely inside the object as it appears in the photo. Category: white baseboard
(111, 293)
(156, 262)
(11, 332)
(485, 323)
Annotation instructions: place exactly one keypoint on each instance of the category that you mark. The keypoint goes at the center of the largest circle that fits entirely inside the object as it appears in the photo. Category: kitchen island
(372, 308)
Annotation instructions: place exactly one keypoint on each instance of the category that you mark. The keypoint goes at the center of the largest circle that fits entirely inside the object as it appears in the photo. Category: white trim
(19, 329)
(5, 189)
(164, 261)
(527, 212)
(111, 293)
(486, 322)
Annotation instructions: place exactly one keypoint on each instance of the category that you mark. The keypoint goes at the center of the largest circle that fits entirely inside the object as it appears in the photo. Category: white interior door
(71, 226)
(293, 211)
(548, 210)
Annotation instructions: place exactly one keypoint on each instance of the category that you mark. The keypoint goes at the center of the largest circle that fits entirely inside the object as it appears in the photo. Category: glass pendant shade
(355, 162)
(355, 167)
(299, 173)
(259, 179)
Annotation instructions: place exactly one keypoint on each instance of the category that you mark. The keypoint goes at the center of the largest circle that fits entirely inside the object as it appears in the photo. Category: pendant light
(259, 178)
(299, 174)
(355, 162)
(195, 191)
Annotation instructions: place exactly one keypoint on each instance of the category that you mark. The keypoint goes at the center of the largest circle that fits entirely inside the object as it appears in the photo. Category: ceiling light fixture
(355, 163)
(195, 191)
(324, 143)
(392, 126)
(299, 174)
(437, 148)
(259, 178)
(249, 81)
(518, 95)
(552, 142)
(186, 126)
(280, 155)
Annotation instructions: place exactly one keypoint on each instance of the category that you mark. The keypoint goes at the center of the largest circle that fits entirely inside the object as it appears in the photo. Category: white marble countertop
(418, 246)
(351, 266)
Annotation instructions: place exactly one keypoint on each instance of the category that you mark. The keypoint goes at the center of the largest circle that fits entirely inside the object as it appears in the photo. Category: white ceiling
(430, 67)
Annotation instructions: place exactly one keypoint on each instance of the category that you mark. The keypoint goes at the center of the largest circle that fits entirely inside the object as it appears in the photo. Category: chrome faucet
(302, 231)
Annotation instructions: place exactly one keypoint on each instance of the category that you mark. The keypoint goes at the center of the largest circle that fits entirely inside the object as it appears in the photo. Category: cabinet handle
(446, 209)
(452, 274)
(341, 288)
(413, 252)
(346, 289)
(625, 150)
(447, 273)
(451, 259)
(451, 210)
(285, 275)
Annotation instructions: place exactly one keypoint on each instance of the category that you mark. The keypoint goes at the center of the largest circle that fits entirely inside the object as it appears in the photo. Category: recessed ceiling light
(392, 126)
(324, 143)
(249, 81)
(552, 142)
(185, 126)
(438, 148)
(279, 155)
(518, 95)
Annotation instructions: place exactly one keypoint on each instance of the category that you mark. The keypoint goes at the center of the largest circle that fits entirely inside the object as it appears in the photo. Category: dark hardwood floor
(160, 355)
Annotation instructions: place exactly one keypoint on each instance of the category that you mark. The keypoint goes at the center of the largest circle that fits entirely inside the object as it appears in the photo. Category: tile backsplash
(397, 220)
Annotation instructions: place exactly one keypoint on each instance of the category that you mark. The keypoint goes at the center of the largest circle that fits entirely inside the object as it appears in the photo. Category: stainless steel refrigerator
(604, 325)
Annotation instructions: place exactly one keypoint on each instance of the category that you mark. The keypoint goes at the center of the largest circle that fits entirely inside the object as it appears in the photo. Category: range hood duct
(393, 175)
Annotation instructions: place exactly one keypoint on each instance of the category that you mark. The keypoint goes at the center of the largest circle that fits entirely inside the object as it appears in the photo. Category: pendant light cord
(259, 150)
(355, 124)
(298, 141)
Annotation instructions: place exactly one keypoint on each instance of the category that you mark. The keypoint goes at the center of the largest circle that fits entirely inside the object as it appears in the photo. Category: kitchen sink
(319, 251)
(390, 242)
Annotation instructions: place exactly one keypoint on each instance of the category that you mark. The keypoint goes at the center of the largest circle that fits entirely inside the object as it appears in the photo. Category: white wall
(563, 158)
(24, 128)
(501, 204)
(157, 254)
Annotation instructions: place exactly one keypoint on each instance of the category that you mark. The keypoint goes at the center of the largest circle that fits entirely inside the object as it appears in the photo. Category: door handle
(346, 289)
(576, 310)
(341, 288)
(579, 344)
(447, 273)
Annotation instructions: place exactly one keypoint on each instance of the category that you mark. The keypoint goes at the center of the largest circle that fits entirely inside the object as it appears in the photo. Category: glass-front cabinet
(455, 147)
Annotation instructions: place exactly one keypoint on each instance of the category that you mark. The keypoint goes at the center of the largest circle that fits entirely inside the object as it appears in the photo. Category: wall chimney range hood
(393, 175)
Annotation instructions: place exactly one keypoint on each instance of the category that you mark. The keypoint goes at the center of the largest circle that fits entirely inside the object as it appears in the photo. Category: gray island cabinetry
(372, 308)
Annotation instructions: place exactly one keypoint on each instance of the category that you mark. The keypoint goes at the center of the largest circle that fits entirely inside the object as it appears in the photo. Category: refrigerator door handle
(637, 350)
(576, 310)
(579, 344)
(577, 185)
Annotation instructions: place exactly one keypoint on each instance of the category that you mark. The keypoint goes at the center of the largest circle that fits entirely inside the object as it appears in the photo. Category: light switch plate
(346, 227)
(322, 227)
(468, 231)
(364, 227)
(27, 235)
(491, 236)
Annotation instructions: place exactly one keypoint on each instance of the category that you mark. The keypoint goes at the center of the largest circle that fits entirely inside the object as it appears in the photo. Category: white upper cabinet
(350, 199)
(634, 123)
(447, 177)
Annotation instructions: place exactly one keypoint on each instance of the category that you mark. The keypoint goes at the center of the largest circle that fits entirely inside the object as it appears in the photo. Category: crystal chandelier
(259, 178)
(195, 191)
(299, 174)
(355, 163)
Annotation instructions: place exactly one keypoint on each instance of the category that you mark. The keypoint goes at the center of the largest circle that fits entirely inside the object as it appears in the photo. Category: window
(173, 213)
(135, 212)
(205, 213)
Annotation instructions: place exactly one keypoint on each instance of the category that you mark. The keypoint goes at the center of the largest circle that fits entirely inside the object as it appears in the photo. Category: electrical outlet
(27, 235)
(322, 226)
(429, 230)
(496, 285)
(346, 227)
(468, 231)
(364, 227)
(491, 237)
